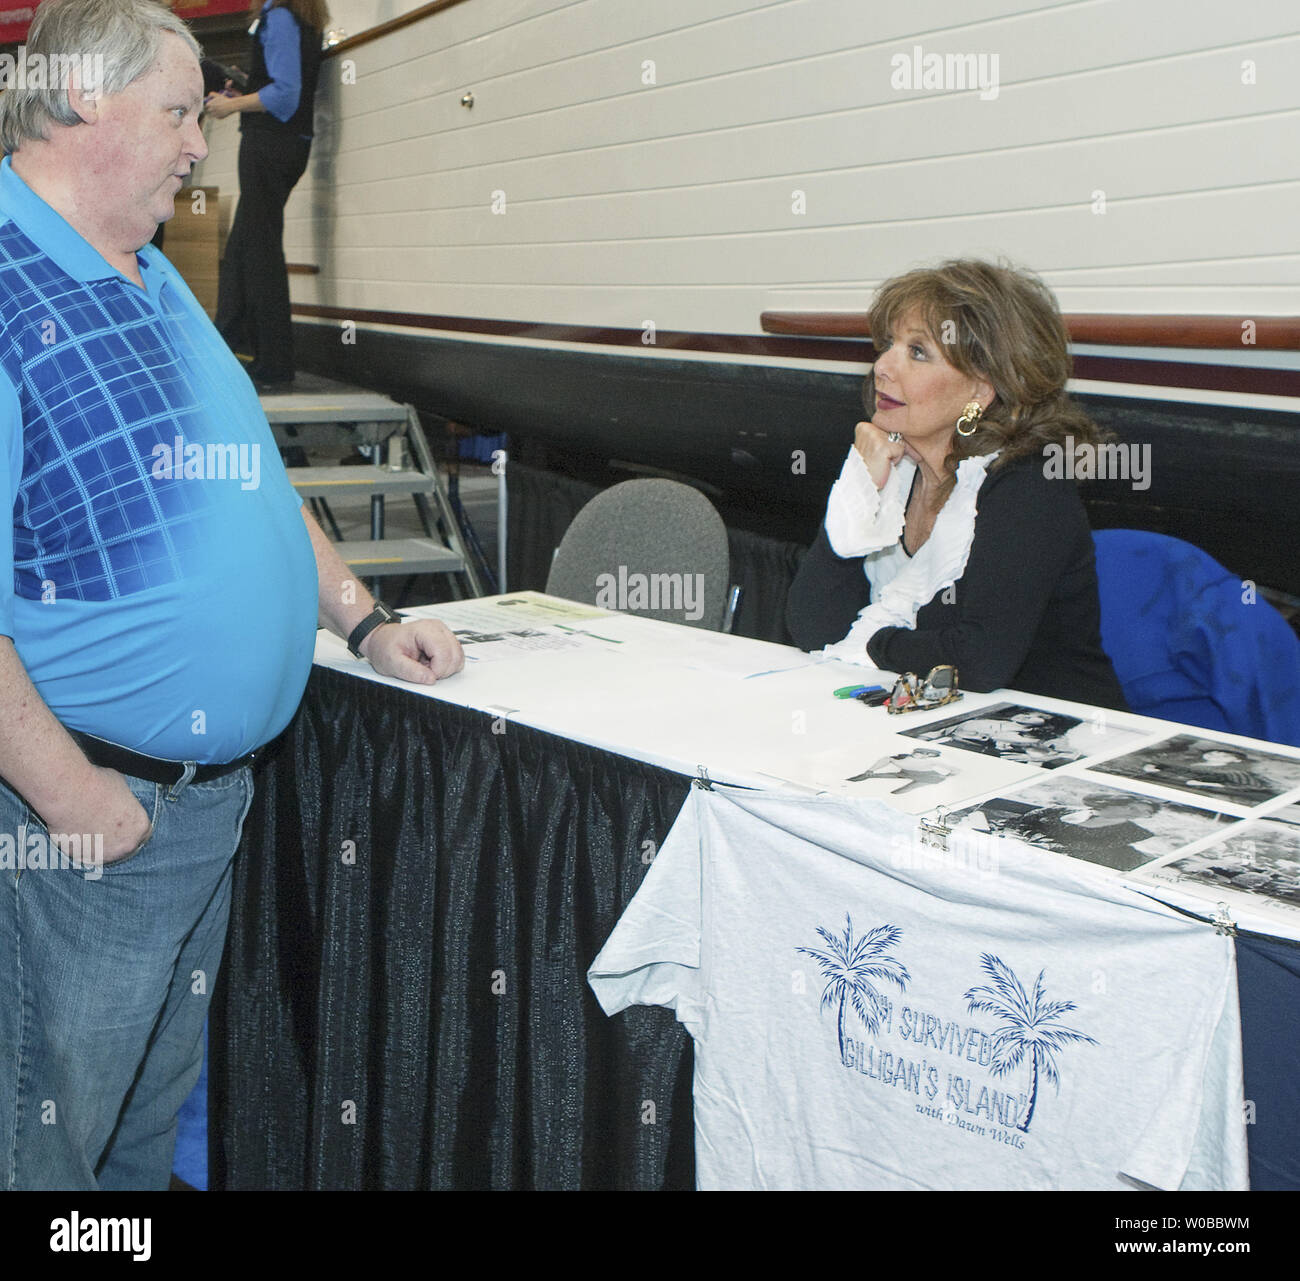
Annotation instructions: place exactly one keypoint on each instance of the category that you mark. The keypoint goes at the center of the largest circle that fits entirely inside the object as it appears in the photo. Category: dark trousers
(253, 296)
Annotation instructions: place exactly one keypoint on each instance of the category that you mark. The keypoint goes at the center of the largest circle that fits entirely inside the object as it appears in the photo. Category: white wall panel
(1239, 154)
(675, 199)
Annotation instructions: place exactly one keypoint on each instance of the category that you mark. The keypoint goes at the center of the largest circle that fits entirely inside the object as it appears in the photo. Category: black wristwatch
(377, 617)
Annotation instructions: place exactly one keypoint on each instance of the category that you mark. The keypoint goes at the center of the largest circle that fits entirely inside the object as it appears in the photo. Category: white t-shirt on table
(870, 1013)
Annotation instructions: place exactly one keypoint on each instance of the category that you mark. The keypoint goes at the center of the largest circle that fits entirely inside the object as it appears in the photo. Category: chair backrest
(1193, 643)
(650, 547)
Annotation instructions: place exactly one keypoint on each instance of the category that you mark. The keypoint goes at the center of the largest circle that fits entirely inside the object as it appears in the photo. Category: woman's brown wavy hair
(1000, 324)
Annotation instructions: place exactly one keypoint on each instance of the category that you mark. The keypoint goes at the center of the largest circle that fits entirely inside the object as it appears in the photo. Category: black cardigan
(1025, 614)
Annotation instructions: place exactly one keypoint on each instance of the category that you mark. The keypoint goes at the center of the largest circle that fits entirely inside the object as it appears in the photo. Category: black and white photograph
(909, 776)
(907, 771)
(1026, 735)
(1261, 861)
(1211, 769)
(1092, 821)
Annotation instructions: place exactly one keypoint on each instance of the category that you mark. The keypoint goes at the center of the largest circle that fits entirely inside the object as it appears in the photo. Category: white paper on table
(696, 649)
(525, 642)
(908, 776)
(522, 626)
(519, 609)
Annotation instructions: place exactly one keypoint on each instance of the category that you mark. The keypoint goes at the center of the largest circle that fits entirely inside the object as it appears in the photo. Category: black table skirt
(403, 1003)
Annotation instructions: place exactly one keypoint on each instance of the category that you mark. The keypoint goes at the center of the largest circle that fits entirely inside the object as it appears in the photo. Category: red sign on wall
(191, 9)
(14, 21)
(16, 18)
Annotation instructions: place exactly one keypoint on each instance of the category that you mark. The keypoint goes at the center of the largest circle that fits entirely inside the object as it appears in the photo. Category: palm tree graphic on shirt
(1030, 1027)
(849, 965)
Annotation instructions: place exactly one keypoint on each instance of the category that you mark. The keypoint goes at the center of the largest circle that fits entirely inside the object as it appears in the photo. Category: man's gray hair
(109, 44)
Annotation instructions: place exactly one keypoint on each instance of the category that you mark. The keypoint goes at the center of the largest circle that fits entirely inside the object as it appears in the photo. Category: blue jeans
(104, 988)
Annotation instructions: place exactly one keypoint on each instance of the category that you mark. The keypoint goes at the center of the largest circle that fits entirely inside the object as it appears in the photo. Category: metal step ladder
(318, 411)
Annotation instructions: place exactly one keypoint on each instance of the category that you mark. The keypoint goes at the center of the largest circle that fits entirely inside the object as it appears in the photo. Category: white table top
(756, 714)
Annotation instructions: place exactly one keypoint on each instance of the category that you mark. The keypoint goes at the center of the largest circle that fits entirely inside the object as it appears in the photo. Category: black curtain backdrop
(763, 569)
(418, 896)
(542, 505)
(403, 1004)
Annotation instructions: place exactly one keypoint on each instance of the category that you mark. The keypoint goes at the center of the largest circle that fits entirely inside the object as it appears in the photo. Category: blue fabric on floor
(191, 1160)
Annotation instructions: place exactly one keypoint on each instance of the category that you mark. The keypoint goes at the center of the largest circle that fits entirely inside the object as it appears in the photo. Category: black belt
(155, 770)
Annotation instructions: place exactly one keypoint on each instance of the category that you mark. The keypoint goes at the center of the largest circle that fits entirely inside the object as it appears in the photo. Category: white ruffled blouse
(862, 520)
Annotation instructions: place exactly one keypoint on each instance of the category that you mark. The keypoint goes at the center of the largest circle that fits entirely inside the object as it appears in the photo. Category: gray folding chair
(651, 547)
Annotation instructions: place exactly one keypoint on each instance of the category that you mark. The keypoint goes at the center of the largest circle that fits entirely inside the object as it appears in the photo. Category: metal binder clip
(1223, 922)
(935, 832)
(702, 780)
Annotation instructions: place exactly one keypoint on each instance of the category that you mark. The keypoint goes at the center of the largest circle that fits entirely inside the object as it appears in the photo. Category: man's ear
(85, 97)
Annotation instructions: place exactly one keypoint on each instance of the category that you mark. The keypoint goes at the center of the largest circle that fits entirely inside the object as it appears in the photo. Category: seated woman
(945, 540)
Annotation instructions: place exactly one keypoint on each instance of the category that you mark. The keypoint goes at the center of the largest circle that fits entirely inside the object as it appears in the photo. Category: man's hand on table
(422, 651)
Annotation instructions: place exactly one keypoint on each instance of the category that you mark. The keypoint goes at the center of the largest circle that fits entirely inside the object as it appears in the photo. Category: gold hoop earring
(970, 418)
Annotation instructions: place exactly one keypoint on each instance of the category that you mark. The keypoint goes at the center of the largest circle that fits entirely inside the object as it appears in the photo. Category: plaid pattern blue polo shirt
(163, 588)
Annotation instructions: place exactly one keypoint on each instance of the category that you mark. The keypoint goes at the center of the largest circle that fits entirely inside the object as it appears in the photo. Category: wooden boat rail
(1269, 333)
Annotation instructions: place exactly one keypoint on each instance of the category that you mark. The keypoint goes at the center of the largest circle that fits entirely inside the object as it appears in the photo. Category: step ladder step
(323, 435)
(338, 482)
(356, 406)
(374, 558)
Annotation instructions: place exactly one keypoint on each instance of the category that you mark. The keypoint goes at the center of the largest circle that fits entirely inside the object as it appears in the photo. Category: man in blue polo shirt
(160, 585)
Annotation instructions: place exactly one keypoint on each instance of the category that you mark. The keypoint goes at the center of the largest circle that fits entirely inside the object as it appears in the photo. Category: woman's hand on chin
(878, 451)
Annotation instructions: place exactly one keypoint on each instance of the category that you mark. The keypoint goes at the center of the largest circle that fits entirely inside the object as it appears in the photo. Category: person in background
(945, 541)
(276, 116)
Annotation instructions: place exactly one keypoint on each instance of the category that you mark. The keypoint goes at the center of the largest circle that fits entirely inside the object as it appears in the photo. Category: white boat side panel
(1165, 91)
(1133, 230)
(1077, 386)
(1117, 103)
(354, 16)
(555, 36)
(599, 49)
(1168, 157)
(1240, 154)
(476, 39)
(637, 307)
(676, 200)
